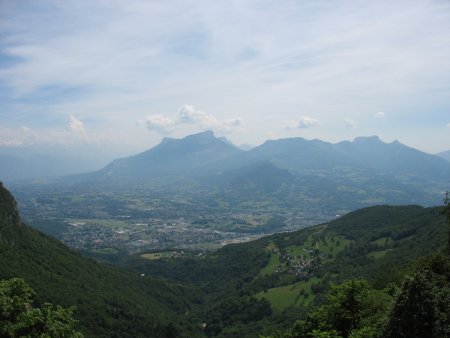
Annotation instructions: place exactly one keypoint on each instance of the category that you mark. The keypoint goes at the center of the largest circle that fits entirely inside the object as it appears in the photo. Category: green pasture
(296, 294)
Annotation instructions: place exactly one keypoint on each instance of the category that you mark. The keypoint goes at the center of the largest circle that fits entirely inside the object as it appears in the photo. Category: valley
(201, 192)
(133, 223)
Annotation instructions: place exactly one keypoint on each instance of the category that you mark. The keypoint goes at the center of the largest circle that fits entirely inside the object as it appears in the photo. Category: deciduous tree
(19, 318)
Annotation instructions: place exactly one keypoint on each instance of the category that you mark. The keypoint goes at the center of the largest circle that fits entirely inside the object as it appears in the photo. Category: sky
(120, 75)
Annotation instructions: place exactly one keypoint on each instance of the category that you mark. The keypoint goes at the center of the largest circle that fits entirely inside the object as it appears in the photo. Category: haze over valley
(202, 191)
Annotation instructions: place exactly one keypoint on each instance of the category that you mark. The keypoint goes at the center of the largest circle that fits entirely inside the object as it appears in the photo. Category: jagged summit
(207, 134)
(204, 135)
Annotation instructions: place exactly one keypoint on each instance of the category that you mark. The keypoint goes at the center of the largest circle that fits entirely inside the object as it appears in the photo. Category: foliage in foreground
(354, 309)
(18, 318)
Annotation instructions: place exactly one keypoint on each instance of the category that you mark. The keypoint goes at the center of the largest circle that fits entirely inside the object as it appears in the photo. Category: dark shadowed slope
(110, 302)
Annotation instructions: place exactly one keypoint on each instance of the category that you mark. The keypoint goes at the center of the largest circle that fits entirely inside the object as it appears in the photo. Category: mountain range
(205, 153)
(345, 175)
(203, 174)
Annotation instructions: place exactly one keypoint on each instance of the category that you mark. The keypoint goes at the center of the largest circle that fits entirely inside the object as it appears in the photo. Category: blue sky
(124, 74)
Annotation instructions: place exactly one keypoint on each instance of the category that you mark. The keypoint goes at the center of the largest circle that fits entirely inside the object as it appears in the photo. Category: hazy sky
(111, 73)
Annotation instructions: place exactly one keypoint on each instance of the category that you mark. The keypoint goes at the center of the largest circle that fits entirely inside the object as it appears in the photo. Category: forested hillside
(280, 277)
(109, 302)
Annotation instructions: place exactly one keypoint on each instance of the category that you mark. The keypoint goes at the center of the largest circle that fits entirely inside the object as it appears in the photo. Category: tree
(352, 309)
(446, 211)
(421, 309)
(18, 317)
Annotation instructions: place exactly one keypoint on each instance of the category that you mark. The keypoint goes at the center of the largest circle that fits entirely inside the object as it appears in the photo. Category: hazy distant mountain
(300, 155)
(364, 172)
(257, 177)
(290, 172)
(395, 158)
(172, 157)
(364, 153)
(445, 155)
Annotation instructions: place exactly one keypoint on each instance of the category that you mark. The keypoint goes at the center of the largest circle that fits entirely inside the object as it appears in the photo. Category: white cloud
(17, 137)
(74, 132)
(160, 123)
(76, 126)
(307, 122)
(380, 114)
(448, 125)
(234, 122)
(188, 115)
(349, 123)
